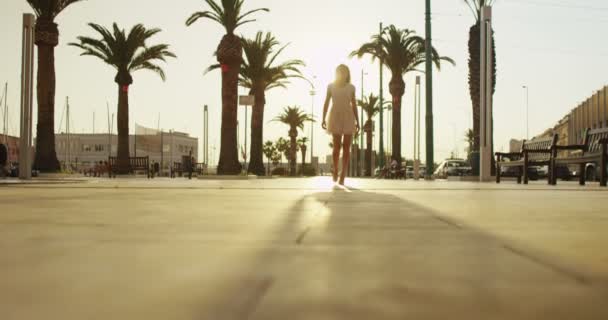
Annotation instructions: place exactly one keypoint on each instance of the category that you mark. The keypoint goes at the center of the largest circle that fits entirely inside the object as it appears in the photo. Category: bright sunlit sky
(556, 47)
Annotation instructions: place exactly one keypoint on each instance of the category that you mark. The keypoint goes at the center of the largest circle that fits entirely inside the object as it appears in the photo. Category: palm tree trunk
(475, 85)
(397, 89)
(229, 56)
(256, 165)
(123, 155)
(293, 135)
(368, 150)
(46, 39)
(303, 149)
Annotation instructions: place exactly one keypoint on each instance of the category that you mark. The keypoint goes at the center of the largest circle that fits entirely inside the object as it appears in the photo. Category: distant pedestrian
(190, 165)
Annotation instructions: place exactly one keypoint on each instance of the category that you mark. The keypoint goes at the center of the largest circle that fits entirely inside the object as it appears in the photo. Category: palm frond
(126, 52)
(228, 14)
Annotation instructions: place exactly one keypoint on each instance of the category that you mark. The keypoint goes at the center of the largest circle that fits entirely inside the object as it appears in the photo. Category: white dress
(341, 119)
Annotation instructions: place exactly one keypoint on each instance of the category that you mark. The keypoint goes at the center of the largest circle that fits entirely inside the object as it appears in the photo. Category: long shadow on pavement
(351, 254)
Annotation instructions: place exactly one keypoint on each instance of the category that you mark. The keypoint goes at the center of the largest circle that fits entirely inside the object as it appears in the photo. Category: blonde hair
(345, 71)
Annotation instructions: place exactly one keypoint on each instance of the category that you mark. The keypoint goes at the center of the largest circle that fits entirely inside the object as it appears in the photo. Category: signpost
(417, 129)
(27, 77)
(485, 154)
(247, 101)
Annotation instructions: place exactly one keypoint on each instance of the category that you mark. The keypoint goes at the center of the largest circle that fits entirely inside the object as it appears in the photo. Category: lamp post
(527, 111)
(313, 93)
(312, 126)
(27, 80)
(359, 157)
(430, 156)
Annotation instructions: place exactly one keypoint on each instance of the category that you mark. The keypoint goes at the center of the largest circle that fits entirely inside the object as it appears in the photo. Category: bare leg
(345, 156)
(336, 155)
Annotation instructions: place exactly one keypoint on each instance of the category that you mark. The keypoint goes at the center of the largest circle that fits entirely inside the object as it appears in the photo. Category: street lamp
(429, 94)
(359, 157)
(527, 111)
(312, 113)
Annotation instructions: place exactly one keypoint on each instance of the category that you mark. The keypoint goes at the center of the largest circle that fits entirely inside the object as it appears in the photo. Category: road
(302, 249)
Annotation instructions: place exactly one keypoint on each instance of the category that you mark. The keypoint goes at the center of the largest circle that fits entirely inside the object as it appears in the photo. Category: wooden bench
(177, 169)
(593, 150)
(135, 164)
(536, 152)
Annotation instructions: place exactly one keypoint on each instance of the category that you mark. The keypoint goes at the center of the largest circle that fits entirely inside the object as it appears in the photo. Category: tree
(302, 146)
(229, 54)
(475, 65)
(46, 39)
(295, 118)
(269, 150)
(371, 106)
(126, 53)
(283, 148)
(402, 51)
(470, 140)
(259, 74)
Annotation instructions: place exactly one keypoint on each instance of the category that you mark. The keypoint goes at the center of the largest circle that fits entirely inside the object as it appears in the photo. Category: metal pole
(527, 112)
(416, 98)
(381, 100)
(67, 106)
(486, 95)
(245, 151)
(5, 119)
(206, 135)
(430, 152)
(27, 76)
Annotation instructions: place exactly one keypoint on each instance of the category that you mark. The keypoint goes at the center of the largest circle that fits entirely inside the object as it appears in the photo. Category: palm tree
(371, 106)
(469, 138)
(229, 54)
(259, 74)
(269, 150)
(283, 147)
(401, 50)
(475, 65)
(295, 118)
(46, 39)
(126, 53)
(303, 146)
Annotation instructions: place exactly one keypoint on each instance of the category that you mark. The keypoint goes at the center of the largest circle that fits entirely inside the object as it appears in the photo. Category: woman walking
(343, 119)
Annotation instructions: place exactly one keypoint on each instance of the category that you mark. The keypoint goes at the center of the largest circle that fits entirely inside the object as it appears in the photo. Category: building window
(86, 148)
(99, 148)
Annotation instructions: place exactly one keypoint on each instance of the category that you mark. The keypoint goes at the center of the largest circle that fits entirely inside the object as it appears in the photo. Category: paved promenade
(302, 249)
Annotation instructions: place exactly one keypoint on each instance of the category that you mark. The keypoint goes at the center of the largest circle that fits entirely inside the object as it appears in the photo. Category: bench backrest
(592, 140)
(134, 162)
(540, 144)
(139, 162)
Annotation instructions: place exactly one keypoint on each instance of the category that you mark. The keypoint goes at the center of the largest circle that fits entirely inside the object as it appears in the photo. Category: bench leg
(552, 174)
(519, 175)
(497, 169)
(497, 173)
(526, 178)
(581, 176)
(603, 159)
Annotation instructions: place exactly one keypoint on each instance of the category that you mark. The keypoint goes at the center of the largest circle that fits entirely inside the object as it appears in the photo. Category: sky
(555, 47)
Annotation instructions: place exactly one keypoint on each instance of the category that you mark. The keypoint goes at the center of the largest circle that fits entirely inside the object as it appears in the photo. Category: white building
(81, 151)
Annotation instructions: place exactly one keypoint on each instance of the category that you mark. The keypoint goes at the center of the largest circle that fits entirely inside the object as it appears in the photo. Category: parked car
(409, 173)
(592, 172)
(451, 168)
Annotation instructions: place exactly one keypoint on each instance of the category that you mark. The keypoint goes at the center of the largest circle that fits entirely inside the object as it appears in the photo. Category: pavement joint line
(304, 233)
(300, 238)
(564, 271)
(252, 301)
